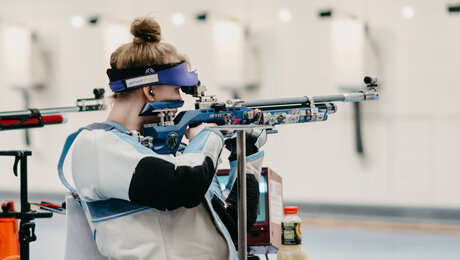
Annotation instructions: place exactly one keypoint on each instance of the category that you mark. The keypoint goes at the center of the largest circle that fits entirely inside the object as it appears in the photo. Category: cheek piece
(175, 74)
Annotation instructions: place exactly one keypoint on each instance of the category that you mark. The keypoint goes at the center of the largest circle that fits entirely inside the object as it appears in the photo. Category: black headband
(119, 74)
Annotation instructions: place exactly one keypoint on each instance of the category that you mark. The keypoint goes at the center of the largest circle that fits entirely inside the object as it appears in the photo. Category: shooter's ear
(148, 93)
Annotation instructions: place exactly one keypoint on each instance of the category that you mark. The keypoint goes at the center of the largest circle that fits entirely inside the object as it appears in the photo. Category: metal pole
(242, 221)
(25, 207)
(358, 136)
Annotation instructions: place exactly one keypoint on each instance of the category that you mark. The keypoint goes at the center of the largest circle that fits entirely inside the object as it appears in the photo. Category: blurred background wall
(58, 51)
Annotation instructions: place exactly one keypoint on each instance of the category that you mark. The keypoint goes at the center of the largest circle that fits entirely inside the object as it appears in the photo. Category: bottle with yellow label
(291, 237)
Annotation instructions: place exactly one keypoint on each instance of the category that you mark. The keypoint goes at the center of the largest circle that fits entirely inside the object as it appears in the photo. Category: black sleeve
(160, 184)
(229, 215)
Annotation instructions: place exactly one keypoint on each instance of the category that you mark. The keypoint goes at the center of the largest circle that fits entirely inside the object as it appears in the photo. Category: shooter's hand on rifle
(255, 139)
(191, 132)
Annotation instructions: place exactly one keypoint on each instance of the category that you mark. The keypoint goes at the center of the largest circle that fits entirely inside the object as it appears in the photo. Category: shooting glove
(255, 139)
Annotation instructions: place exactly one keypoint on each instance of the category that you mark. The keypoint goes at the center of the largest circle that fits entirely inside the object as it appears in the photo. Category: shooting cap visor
(175, 74)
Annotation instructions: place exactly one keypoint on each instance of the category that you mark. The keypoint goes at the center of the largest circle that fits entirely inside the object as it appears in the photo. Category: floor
(321, 242)
(324, 238)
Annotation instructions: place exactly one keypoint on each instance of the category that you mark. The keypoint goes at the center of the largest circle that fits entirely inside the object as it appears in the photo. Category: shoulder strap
(68, 143)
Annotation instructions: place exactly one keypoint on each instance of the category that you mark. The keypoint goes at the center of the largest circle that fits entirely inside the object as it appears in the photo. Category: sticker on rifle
(248, 115)
(281, 118)
(320, 116)
(293, 117)
(236, 121)
(314, 113)
(267, 117)
(272, 119)
(172, 141)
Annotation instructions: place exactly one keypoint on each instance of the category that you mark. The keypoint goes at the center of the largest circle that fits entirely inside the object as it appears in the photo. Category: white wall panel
(411, 157)
(411, 136)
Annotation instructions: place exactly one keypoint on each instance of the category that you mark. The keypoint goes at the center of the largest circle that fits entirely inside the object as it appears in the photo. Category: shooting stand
(26, 226)
(241, 186)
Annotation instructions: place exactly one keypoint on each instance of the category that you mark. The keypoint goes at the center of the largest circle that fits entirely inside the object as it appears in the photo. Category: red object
(291, 210)
(51, 205)
(47, 120)
(9, 240)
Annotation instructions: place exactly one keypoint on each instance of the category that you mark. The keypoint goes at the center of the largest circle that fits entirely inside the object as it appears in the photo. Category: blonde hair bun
(145, 30)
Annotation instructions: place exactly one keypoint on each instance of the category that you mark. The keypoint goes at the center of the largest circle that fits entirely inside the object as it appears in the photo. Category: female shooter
(143, 205)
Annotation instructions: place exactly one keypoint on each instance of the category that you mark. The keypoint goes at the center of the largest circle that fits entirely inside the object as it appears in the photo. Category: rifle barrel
(346, 97)
(43, 111)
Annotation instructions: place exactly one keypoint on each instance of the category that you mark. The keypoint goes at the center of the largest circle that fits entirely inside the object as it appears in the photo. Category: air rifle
(33, 117)
(166, 135)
